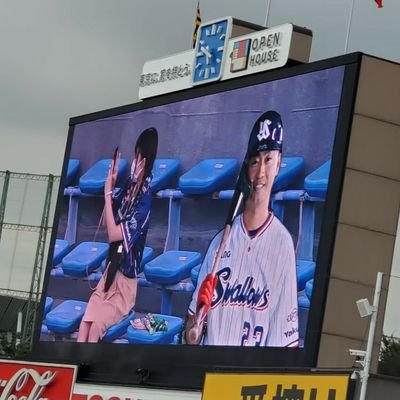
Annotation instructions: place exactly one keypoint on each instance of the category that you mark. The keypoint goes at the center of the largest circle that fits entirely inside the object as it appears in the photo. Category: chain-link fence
(27, 204)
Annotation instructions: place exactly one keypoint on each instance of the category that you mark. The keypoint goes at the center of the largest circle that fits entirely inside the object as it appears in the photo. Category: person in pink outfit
(127, 222)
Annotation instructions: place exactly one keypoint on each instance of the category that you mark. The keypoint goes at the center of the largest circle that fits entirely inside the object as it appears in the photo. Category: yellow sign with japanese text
(220, 386)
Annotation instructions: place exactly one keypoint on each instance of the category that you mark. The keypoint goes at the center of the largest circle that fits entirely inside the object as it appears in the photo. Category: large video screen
(188, 230)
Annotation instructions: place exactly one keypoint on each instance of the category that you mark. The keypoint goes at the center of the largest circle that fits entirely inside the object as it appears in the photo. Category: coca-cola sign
(35, 381)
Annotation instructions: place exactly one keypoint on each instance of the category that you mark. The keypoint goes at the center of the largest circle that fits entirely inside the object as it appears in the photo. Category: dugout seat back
(61, 248)
(304, 301)
(309, 288)
(316, 183)
(291, 169)
(208, 176)
(148, 254)
(72, 170)
(305, 272)
(165, 171)
(171, 267)
(93, 180)
(48, 305)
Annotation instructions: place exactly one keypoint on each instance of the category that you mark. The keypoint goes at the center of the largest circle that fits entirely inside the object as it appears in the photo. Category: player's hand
(193, 331)
(204, 299)
(205, 295)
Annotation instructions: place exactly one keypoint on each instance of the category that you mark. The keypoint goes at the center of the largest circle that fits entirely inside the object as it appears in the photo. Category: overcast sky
(62, 58)
(65, 58)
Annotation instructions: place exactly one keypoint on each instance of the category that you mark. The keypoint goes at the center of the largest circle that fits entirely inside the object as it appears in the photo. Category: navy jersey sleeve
(135, 222)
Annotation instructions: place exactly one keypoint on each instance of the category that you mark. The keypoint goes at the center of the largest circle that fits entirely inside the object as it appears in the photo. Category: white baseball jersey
(255, 299)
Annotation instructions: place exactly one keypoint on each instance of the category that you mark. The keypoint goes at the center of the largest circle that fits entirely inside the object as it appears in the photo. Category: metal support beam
(35, 289)
(3, 200)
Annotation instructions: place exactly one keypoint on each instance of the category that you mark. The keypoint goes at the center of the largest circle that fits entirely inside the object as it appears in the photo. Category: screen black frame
(184, 367)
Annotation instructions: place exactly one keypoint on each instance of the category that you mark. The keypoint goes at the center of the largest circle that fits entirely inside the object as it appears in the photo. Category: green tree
(389, 360)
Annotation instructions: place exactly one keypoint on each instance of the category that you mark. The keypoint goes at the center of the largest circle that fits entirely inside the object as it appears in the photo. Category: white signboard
(247, 54)
(165, 75)
(103, 392)
(258, 51)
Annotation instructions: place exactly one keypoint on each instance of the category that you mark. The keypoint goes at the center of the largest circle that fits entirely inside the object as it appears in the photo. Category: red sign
(98, 397)
(35, 381)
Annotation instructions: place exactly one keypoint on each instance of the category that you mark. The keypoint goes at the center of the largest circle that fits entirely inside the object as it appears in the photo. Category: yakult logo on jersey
(291, 332)
(239, 294)
(264, 132)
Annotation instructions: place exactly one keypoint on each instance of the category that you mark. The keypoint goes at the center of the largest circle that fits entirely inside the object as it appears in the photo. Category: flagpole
(346, 43)
(267, 14)
(197, 23)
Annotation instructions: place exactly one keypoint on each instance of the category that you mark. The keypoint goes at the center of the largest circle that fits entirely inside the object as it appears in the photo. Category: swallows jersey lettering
(244, 294)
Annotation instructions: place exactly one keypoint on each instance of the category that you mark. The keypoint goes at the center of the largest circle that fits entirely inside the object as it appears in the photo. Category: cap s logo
(264, 132)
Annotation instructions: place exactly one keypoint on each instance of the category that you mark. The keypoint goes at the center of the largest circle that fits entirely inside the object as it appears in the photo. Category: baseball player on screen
(249, 295)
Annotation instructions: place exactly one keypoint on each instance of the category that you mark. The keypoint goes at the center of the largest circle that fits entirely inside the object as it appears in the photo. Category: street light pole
(371, 334)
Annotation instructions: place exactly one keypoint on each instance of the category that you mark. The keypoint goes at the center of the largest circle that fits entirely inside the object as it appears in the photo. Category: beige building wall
(368, 215)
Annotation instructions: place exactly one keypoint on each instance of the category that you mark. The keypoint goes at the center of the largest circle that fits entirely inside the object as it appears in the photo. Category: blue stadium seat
(57, 272)
(44, 330)
(72, 170)
(309, 288)
(139, 336)
(95, 276)
(84, 258)
(148, 253)
(47, 307)
(164, 172)
(316, 183)
(66, 317)
(121, 341)
(171, 267)
(291, 169)
(103, 266)
(119, 329)
(48, 304)
(316, 186)
(194, 274)
(61, 248)
(304, 301)
(305, 272)
(92, 181)
(208, 176)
